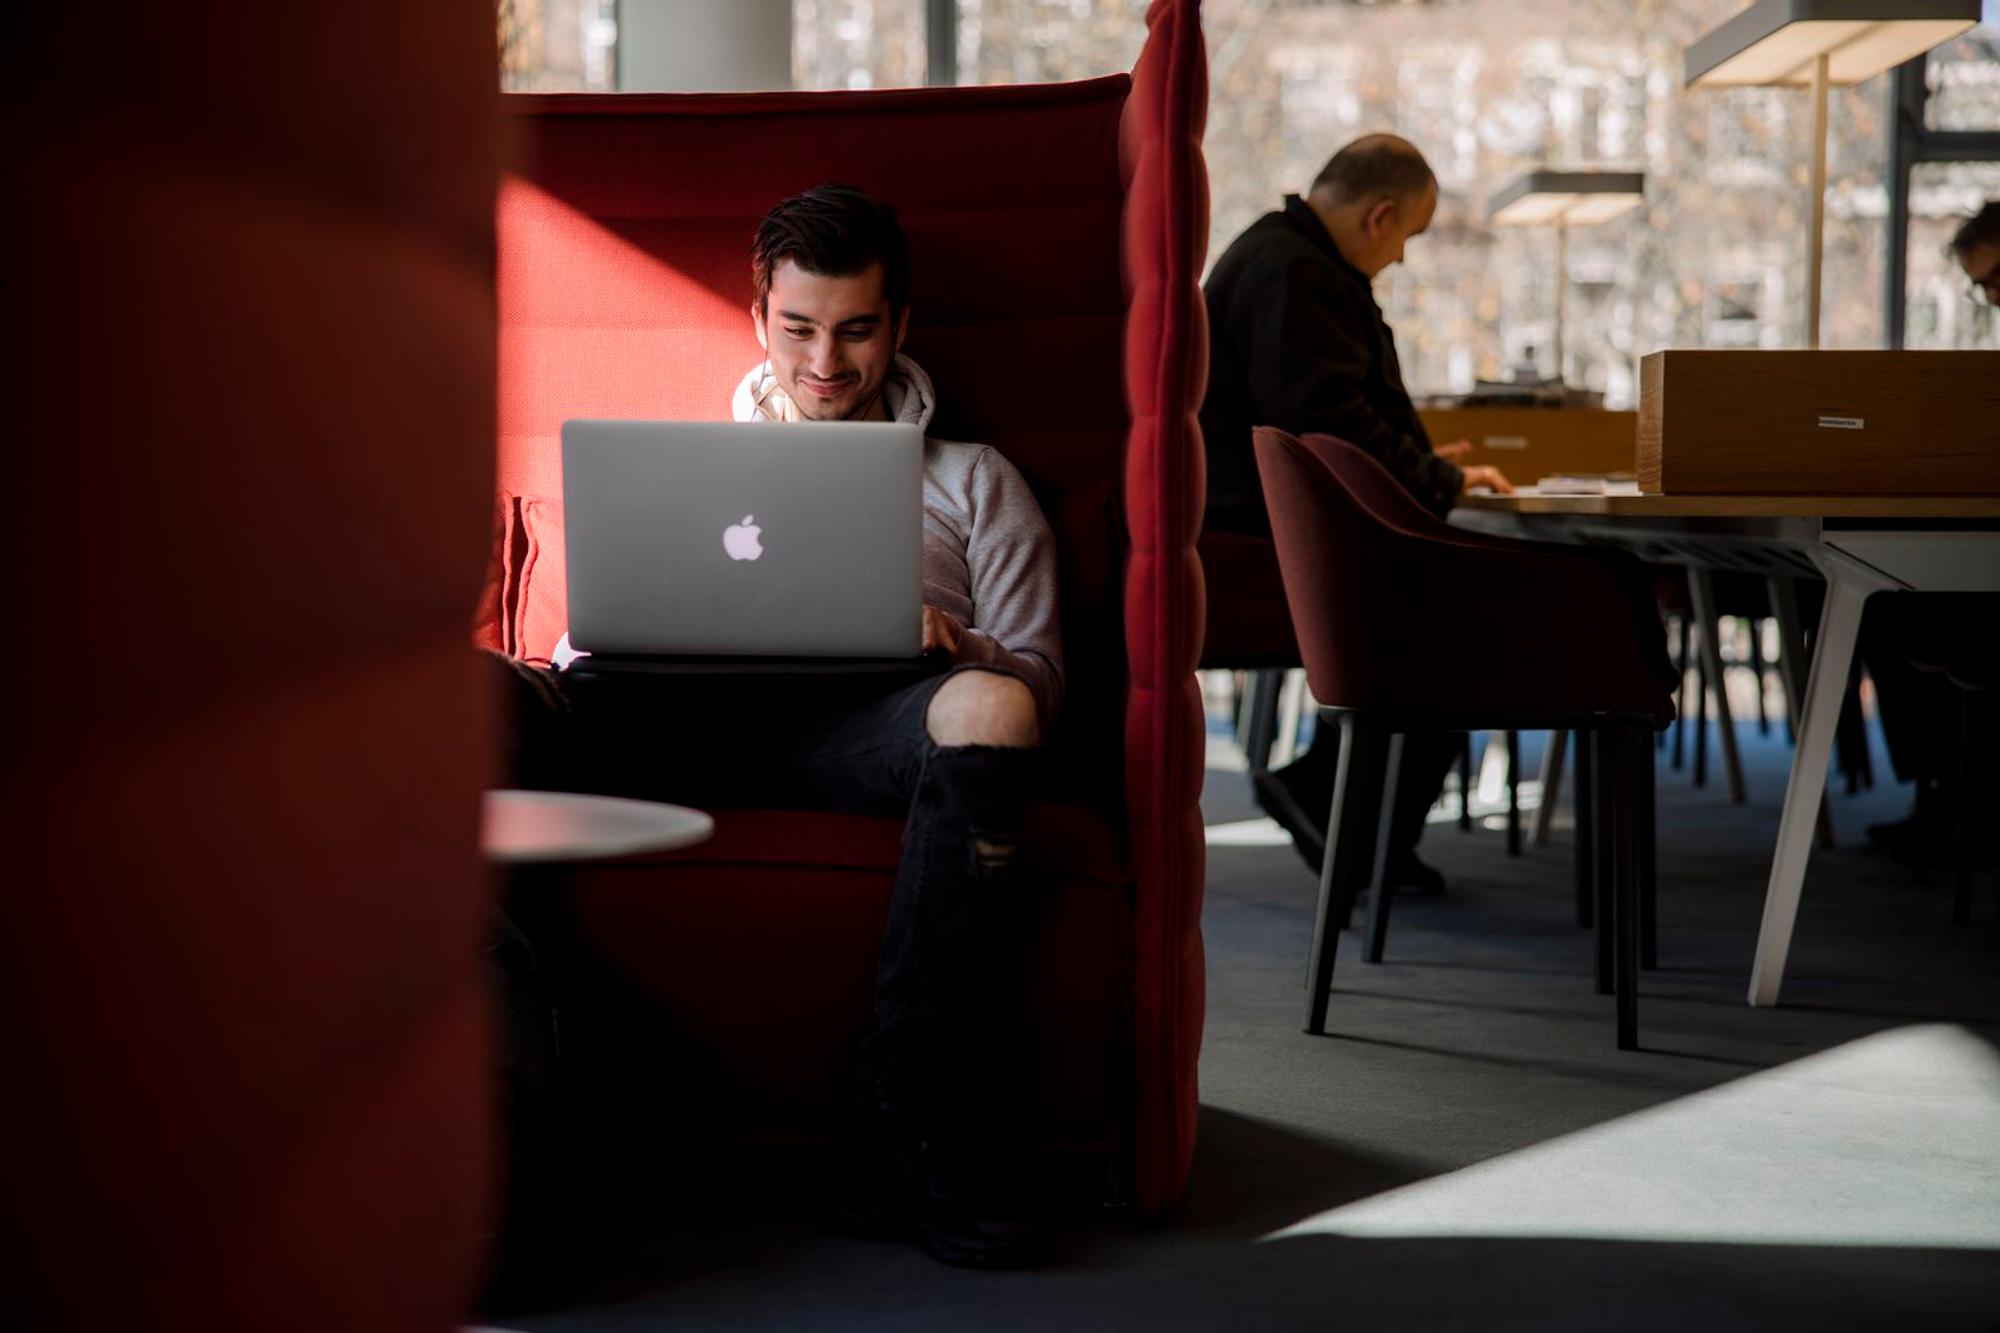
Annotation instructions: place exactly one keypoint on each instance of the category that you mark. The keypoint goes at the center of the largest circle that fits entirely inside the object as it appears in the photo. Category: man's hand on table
(1454, 451)
(1490, 477)
(941, 631)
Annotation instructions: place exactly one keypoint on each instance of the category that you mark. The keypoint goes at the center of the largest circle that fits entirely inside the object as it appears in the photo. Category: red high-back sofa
(1057, 233)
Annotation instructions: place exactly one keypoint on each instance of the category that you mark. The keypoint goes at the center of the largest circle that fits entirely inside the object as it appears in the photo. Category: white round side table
(528, 827)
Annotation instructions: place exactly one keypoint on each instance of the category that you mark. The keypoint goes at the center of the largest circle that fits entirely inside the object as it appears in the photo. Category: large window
(1489, 89)
(1948, 140)
(551, 46)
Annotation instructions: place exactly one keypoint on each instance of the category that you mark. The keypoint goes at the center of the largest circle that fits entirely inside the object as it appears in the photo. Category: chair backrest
(1374, 485)
(1422, 620)
(1336, 556)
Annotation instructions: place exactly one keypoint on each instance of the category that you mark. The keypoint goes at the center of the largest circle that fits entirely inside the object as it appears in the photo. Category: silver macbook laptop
(744, 539)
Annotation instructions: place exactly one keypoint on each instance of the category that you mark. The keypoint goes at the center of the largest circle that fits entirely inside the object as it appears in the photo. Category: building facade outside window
(1715, 258)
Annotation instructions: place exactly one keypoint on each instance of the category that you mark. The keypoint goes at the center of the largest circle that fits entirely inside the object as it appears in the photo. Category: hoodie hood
(907, 393)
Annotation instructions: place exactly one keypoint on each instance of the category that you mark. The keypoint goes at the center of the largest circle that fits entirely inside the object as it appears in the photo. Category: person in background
(1976, 246)
(1297, 341)
(1918, 724)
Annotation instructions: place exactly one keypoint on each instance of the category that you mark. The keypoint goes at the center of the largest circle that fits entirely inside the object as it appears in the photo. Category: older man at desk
(1297, 341)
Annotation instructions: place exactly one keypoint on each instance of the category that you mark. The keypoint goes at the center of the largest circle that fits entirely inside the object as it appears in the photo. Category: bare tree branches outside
(1716, 258)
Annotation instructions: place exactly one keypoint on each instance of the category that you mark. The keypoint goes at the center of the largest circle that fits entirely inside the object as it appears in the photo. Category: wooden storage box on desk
(1819, 423)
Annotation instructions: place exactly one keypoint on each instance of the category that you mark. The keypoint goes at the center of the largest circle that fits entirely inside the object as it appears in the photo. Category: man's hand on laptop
(1489, 477)
(941, 631)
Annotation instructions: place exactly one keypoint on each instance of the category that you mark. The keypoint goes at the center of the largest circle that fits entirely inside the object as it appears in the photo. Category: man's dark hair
(1373, 167)
(835, 231)
(1982, 228)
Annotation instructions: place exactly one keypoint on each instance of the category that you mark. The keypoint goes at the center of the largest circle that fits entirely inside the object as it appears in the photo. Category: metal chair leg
(1681, 712)
(1646, 807)
(1356, 787)
(1701, 583)
(1961, 845)
(1379, 891)
(1606, 769)
(1700, 722)
(1552, 776)
(1625, 897)
(1761, 669)
(1513, 793)
(1465, 783)
(1582, 799)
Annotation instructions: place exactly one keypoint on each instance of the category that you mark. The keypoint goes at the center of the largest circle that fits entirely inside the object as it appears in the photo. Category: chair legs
(1605, 816)
(1682, 662)
(1465, 783)
(1614, 784)
(1357, 788)
(1586, 868)
(1379, 889)
(1622, 768)
(1646, 813)
(1552, 778)
(1632, 748)
(1513, 793)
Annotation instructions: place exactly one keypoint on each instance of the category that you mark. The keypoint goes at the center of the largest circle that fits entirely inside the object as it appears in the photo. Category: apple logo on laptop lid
(740, 539)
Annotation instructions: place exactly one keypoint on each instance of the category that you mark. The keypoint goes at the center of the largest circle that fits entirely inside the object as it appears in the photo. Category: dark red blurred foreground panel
(250, 249)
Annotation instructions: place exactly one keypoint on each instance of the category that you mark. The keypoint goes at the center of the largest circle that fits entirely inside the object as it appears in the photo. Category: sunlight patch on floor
(1886, 1141)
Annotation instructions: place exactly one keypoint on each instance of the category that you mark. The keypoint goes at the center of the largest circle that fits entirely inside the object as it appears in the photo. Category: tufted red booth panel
(244, 1032)
(624, 291)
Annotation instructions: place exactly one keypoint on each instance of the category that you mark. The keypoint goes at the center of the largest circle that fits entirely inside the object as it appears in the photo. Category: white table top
(532, 826)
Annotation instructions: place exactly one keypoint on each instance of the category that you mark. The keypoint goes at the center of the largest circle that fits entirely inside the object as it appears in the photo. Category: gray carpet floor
(1467, 1149)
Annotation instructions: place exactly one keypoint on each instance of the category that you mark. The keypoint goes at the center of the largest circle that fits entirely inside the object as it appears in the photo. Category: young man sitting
(955, 754)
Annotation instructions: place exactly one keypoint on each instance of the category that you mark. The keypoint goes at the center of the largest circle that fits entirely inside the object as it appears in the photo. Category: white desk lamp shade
(1820, 44)
(1779, 42)
(1562, 199)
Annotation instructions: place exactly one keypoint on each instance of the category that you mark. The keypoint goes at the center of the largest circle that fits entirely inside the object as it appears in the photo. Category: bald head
(1373, 197)
(1375, 166)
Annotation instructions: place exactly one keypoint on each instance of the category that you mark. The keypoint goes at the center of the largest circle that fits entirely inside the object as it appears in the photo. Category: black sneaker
(1406, 871)
(890, 1195)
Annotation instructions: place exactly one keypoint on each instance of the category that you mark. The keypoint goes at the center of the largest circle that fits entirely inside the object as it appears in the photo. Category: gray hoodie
(989, 558)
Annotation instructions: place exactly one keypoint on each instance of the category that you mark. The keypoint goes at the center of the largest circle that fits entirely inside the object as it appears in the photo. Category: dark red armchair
(1057, 235)
(1373, 584)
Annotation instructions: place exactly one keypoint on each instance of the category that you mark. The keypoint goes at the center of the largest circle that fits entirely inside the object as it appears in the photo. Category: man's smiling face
(831, 340)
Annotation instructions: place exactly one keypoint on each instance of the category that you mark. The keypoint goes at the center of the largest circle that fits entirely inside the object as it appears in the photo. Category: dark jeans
(840, 744)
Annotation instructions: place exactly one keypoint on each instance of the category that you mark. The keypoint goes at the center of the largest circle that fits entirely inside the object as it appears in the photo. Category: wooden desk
(1860, 545)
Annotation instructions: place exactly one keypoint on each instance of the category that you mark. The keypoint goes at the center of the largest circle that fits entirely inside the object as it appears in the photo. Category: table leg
(1847, 587)
(1791, 662)
(1701, 583)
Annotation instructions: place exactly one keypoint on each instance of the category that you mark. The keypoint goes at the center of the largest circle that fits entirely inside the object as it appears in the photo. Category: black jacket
(1296, 341)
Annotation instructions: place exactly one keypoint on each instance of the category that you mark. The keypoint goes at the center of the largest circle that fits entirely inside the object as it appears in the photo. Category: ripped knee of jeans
(993, 853)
